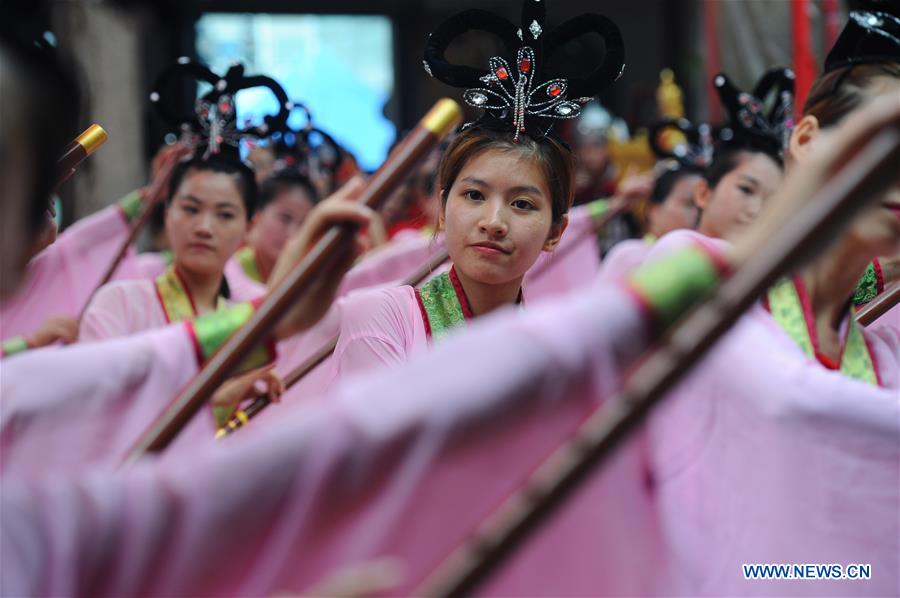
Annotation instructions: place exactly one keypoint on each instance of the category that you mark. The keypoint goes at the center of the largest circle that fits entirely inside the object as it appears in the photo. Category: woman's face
(876, 230)
(677, 210)
(279, 220)
(740, 195)
(499, 217)
(206, 221)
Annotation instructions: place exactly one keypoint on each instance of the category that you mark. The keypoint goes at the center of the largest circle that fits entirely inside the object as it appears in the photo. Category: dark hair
(836, 94)
(728, 158)
(665, 182)
(282, 182)
(555, 160)
(244, 177)
(52, 103)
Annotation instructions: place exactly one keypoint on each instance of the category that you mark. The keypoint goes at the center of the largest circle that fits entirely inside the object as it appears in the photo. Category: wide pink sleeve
(149, 265)
(884, 343)
(70, 408)
(379, 328)
(571, 265)
(405, 463)
(242, 287)
(623, 259)
(678, 240)
(61, 279)
(765, 456)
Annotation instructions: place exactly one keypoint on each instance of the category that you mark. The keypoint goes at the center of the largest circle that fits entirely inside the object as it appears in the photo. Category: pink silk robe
(624, 258)
(61, 279)
(571, 265)
(243, 288)
(122, 308)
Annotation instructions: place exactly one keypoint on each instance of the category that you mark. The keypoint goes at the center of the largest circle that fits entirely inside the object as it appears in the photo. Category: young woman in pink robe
(729, 196)
(207, 211)
(62, 277)
(670, 207)
(502, 208)
(285, 200)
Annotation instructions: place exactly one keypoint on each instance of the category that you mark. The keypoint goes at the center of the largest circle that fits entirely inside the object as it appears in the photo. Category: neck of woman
(484, 298)
(204, 288)
(830, 281)
(264, 265)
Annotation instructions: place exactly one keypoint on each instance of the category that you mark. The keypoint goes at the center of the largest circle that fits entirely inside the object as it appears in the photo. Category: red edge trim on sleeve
(879, 276)
(716, 256)
(123, 215)
(198, 350)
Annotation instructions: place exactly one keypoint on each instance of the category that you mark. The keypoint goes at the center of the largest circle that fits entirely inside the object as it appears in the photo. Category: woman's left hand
(244, 387)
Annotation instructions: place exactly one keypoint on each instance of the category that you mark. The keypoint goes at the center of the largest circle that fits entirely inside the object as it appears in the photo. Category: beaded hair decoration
(298, 148)
(747, 115)
(697, 149)
(524, 97)
(211, 128)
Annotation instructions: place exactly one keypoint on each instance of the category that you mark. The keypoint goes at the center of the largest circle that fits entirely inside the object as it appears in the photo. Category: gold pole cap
(92, 138)
(442, 117)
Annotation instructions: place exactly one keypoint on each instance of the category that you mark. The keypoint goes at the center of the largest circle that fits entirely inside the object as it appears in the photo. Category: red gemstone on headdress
(525, 65)
(502, 73)
(554, 90)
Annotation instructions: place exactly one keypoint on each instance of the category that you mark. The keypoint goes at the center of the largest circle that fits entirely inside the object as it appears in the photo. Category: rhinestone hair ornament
(295, 148)
(747, 115)
(525, 98)
(869, 37)
(212, 127)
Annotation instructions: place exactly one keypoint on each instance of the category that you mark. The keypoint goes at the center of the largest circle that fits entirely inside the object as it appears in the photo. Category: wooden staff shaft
(879, 306)
(427, 134)
(557, 478)
(76, 152)
(312, 362)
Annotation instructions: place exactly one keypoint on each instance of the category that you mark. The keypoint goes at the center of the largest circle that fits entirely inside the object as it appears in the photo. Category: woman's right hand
(340, 208)
(55, 329)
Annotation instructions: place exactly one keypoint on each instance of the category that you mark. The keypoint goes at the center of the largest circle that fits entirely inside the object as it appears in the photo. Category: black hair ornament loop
(522, 94)
(212, 128)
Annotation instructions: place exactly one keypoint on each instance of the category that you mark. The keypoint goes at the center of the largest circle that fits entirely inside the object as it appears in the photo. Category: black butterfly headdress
(747, 115)
(526, 97)
(697, 150)
(211, 128)
(869, 37)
